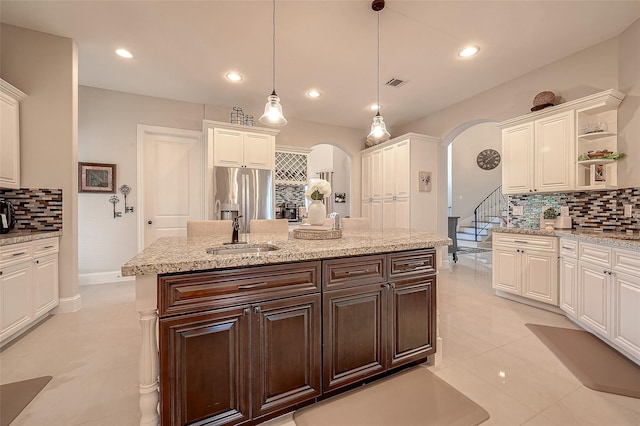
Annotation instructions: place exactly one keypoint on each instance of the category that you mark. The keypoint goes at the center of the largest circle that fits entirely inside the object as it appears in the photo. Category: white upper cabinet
(538, 155)
(541, 150)
(10, 98)
(240, 146)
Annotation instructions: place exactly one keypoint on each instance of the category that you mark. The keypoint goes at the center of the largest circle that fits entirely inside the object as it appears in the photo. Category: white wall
(470, 183)
(342, 180)
(45, 67)
(629, 111)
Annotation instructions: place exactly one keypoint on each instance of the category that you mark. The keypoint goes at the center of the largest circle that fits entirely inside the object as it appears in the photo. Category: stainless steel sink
(242, 249)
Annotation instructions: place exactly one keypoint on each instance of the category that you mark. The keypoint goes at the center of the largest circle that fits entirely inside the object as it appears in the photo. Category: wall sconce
(115, 200)
(125, 189)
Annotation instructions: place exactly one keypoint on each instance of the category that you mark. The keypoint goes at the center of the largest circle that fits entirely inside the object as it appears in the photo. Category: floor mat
(593, 362)
(413, 397)
(14, 397)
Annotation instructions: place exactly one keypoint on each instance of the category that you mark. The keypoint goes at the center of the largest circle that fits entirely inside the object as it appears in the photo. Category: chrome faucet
(235, 226)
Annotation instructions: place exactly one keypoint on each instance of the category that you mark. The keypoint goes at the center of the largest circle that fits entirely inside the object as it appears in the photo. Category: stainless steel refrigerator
(249, 192)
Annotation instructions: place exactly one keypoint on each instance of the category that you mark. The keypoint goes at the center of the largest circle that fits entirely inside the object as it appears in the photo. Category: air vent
(395, 82)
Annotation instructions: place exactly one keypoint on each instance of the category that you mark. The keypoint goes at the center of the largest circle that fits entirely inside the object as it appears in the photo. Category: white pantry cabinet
(526, 266)
(28, 284)
(233, 145)
(392, 197)
(540, 150)
(10, 98)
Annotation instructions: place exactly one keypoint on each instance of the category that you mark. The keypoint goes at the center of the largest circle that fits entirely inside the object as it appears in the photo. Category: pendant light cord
(378, 62)
(273, 61)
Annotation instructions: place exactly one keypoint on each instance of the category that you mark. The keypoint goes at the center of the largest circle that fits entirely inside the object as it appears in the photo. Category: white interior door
(172, 181)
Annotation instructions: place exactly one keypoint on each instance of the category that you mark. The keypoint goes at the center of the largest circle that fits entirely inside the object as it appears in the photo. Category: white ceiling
(184, 48)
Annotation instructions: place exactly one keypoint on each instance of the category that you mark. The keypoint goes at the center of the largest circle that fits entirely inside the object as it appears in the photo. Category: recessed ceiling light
(124, 53)
(313, 93)
(468, 51)
(374, 107)
(234, 76)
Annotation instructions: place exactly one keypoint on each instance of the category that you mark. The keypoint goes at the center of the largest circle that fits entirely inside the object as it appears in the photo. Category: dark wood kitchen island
(244, 337)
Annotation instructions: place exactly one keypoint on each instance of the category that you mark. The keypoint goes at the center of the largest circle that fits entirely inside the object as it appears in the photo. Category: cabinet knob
(149, 222)
(245, 311)
(256, 309)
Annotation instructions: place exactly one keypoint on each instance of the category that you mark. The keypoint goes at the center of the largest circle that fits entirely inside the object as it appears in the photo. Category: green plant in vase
(549, 216)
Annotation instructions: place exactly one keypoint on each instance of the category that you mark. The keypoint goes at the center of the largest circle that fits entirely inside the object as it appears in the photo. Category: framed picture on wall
(340, 197)
(97, 177)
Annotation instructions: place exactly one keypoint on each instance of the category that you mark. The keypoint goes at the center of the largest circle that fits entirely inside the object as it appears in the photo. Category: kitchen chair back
(355, 224)
(269, 226)
(198, 228)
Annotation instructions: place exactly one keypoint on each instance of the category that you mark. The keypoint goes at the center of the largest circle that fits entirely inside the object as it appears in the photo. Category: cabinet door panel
(286, 353)
(569, 286)
(204, 370)
(626, 308)
(412, 330)
(402, 168)
(593, 298)
(388, 213)
(388, 165)
(517, 153)
(15, 298)
(228, 148)
(506, 270)
(353, 334)
(46, 284)
(402, 213)
(258, 150)
(366, 178)
(554, 148)
(376, 175)
(540, 278)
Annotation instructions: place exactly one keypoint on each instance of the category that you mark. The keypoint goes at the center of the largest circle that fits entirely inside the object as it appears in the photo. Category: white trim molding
(102, 278)
(69, 304)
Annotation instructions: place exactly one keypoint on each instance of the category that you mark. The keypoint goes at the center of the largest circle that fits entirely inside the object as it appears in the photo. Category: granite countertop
(607, 238)
(181, 254)
(15, 237)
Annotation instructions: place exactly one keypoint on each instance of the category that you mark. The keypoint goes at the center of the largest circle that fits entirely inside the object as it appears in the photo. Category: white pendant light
(273, 110)
(378, 131)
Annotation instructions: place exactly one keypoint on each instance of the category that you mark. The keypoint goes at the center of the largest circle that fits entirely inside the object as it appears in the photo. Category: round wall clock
(488, 159)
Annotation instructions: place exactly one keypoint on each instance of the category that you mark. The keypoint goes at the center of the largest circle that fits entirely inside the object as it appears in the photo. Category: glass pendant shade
(378, 131)
(273, 111)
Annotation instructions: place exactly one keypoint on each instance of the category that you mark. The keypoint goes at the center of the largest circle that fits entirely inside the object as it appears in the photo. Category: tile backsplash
(36, 209)
(290, 194)
(592, 210)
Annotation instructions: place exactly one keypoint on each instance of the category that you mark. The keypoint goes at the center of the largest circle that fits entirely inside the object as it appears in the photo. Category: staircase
(475, 231)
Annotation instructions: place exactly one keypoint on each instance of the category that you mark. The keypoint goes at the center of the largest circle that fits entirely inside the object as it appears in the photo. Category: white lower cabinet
(15, 298)
(527, 266)
(28, 284)
(606, 291)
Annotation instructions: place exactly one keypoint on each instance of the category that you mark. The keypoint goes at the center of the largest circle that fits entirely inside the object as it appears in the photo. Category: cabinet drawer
(594, 253)
(534, 242)
(568, 248)
(411, 263)
(353, 271)
(626, 261)
(14, 253)
(45, 246)
(227, 287)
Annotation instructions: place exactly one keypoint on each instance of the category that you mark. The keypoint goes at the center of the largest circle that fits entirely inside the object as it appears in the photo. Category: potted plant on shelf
(549, 216)
(317, 212)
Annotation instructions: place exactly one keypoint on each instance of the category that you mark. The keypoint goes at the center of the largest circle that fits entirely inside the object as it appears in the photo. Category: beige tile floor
(488, 354)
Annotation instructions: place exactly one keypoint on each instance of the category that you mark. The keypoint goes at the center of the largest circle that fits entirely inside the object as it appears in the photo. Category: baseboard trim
(102, 278)
(69, 304)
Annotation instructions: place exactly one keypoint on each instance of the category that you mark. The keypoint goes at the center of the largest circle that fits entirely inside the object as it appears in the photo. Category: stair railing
(490, 208)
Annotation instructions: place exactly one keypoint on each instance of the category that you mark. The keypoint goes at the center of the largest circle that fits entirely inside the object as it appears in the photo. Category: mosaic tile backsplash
(36, 209)
(592, 210)
(290, 194)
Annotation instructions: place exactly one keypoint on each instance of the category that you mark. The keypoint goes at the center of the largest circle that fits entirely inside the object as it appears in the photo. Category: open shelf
(596, 135)
(587, 163)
